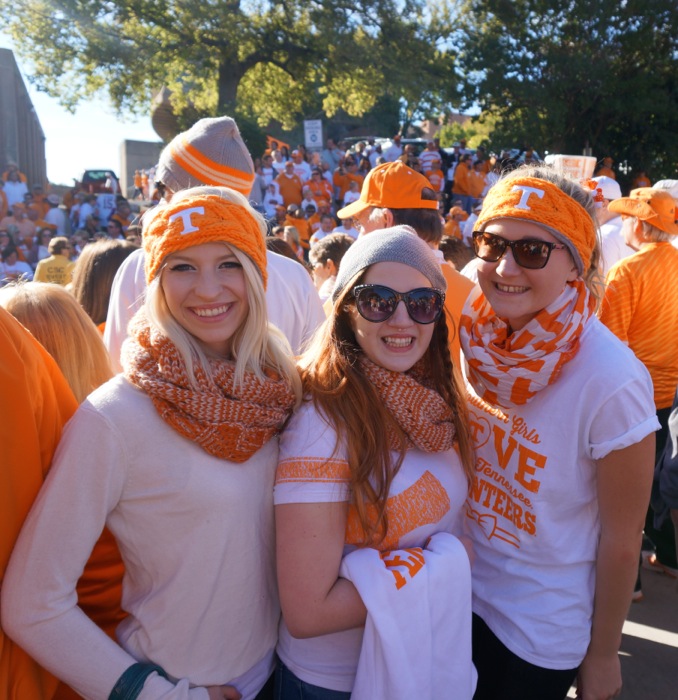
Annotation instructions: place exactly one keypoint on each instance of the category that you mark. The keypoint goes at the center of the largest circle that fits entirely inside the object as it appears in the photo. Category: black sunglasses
(530, 253)
(376, 303)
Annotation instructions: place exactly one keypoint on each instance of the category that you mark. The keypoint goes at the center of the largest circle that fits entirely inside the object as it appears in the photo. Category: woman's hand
(223, 692)
(599, 677)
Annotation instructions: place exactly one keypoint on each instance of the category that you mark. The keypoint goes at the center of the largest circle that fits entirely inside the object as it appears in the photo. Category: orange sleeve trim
(300, 469)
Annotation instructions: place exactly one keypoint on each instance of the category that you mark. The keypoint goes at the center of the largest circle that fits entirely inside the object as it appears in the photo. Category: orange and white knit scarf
(508, 370)
(418, 409)
(227, 422)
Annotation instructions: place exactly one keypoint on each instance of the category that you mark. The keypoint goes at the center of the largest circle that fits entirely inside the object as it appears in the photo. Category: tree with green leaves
(564, 76)
(259, 59)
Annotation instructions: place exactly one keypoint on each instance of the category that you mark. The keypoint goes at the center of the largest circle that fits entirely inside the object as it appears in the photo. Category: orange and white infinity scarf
(227, 422)
(508, 370)
(418, 409)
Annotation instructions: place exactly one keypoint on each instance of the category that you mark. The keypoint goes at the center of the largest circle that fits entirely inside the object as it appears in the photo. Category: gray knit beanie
(397, 244)
(211, 152)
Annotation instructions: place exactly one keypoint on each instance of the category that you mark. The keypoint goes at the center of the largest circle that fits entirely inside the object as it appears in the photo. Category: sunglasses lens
(375, 303)
(424, 305)
(488, 247)
(531, 254)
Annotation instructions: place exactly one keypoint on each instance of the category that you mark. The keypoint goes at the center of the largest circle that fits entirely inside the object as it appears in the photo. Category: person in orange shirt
(295, 217)
(35, 403)
(138, 193)
(289, 185)
(640, 307)
(40, 200)
(144, 184)
(606, 168)
(319, 186)
(452, 222)
(436, 176)
(461, 188)
(344, 174)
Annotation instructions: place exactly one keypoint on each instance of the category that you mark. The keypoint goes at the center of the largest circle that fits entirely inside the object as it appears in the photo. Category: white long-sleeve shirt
(195, 533)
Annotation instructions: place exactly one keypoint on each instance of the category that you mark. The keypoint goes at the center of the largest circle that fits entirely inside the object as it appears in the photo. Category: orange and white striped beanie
(211, 152)
(543, 203)
(202, 218)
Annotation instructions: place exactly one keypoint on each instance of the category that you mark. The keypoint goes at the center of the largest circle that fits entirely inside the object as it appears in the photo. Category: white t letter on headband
(185, 216)
(527, 191)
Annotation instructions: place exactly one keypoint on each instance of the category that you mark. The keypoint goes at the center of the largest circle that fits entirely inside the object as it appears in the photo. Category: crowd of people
(237, 466)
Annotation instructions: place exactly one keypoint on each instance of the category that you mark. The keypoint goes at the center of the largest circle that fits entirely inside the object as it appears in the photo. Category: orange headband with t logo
(546, 205)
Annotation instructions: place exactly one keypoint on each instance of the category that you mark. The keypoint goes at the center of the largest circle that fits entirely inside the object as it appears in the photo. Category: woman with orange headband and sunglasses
(563, 423)
(377, 459)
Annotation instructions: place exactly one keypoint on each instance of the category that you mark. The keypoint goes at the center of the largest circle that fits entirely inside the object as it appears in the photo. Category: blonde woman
(56, 319)
(177, 457)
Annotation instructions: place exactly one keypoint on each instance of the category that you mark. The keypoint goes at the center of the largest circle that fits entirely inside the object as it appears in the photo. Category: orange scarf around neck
(227, 422)
(418, 409)
(509, 369)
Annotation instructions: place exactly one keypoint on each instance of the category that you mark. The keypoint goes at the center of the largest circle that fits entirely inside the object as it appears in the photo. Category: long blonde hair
(63, 328)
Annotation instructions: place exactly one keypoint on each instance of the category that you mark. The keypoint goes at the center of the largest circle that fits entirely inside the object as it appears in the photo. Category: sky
(88, 139)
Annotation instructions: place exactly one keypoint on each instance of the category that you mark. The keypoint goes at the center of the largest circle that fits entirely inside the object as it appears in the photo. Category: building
(22, 140)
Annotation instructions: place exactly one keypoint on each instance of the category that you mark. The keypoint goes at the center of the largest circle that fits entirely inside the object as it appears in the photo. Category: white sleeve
(127, 296)
(39, 599)
(292, 300)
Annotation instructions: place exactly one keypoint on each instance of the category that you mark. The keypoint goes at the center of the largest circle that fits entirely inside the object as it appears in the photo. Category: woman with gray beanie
(377, 459)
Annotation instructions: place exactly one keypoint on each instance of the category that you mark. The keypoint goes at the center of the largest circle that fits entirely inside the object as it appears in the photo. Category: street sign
(313, 133)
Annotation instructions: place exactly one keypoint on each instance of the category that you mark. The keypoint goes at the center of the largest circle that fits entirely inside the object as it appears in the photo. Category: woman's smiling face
(398, 342)
(518, 294)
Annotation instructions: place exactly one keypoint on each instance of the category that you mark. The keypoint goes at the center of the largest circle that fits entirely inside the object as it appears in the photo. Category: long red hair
(333, 380)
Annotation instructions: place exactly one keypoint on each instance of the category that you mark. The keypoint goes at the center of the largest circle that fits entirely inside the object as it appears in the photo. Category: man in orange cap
(393, 194)
(640, 307)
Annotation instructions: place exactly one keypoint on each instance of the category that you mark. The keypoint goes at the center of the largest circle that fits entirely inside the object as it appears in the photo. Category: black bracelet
(131, 682)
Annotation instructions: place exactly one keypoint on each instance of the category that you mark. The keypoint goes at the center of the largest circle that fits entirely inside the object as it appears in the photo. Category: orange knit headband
(201, 219)
(544, 204)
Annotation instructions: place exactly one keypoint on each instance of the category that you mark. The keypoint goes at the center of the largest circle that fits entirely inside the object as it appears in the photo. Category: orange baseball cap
(657, 207)
(393, 186)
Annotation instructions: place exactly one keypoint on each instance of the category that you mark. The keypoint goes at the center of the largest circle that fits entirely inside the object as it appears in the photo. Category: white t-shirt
(614, 247)
(57, 217)
(426, 497)
(12, 273)
(533, 509)
(303, 171)
(352, 232)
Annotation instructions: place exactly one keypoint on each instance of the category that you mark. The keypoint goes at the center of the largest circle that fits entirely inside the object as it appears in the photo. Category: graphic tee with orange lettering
(532, 512)
(426, 496)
